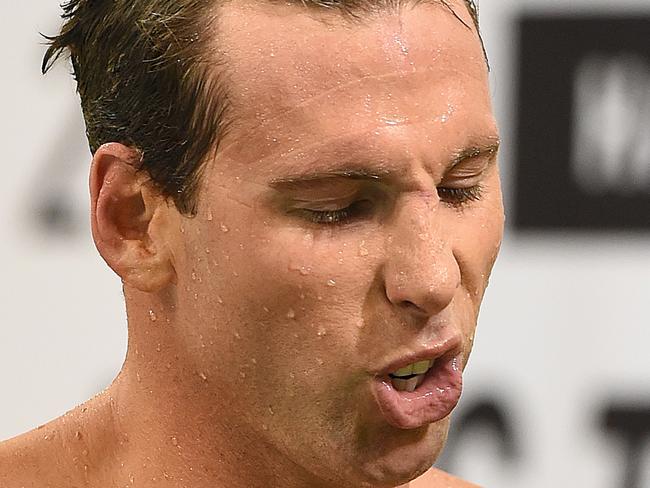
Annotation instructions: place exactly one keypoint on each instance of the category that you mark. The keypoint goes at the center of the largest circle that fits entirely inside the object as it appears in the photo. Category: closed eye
(354, 211)
(360, 209)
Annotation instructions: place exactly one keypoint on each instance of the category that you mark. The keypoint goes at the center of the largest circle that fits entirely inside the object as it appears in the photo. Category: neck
(171, 424)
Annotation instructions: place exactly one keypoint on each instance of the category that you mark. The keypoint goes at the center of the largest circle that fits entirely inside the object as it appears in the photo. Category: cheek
(480, 233)
(288, 293)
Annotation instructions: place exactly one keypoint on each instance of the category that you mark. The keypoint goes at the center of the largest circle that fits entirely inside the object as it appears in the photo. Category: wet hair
(146, 77)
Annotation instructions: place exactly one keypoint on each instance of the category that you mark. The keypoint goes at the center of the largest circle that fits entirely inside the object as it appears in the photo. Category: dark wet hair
(147, 79)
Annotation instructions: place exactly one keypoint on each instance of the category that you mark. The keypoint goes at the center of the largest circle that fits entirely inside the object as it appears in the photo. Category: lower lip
(432, 401)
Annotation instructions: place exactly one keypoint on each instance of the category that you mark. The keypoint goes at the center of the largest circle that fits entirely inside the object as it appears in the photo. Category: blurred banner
(583, 124)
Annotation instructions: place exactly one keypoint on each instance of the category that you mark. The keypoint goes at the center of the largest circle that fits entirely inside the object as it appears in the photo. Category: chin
(405, 456)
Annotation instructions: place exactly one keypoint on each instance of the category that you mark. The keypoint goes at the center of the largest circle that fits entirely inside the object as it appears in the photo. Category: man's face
(288, 312)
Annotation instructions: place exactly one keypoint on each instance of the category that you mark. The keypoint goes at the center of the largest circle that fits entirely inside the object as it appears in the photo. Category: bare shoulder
(54, 455)
(434, 478)
(20, 461)
(35, 459)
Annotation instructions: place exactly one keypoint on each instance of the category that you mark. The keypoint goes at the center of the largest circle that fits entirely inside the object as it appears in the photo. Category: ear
(130, 219)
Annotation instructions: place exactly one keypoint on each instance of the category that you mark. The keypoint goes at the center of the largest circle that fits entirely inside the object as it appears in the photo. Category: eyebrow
(357, 171)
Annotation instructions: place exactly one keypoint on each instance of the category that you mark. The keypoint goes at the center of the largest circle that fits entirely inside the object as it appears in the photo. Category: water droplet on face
(321, 332)
(193, 276)
(219, 300)
(158, 348)
(265, 427)
(174, 441)
(210, 216)
(291, 314)
(196, 296)
(152, 316)
(331, 282)
(237, 335)
(266, 309)
(320, 361)
(223, 227)
(253, 360)
(203, 376)
(363, 250)
(303, 270)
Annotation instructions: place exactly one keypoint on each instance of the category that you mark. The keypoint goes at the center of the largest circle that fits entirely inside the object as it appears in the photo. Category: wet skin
(255, 327)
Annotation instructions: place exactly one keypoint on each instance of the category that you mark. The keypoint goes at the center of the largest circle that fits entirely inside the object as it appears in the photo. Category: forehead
(312, 72)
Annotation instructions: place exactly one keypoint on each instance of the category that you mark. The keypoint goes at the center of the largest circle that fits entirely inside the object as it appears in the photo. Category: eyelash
(461, 196)
(457, 197)
(337, 217)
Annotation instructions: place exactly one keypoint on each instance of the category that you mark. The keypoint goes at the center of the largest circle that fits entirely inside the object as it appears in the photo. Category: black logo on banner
(583, 143)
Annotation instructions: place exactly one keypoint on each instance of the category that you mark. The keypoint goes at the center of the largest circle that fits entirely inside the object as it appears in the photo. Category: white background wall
(564, 328)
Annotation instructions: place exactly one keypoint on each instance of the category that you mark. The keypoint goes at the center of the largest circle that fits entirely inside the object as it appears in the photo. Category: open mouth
(411, 376)
(425, 394)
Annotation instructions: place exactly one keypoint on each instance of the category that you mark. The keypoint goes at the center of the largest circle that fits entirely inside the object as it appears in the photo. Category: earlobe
(128, 218)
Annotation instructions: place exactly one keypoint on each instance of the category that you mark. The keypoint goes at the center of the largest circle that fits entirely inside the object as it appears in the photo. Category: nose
(421, 272)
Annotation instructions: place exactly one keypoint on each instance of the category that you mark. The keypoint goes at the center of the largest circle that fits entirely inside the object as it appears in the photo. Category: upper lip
(449, 347)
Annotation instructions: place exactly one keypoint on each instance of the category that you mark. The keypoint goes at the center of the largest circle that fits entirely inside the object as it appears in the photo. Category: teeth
(405, 371)
(406, 385)
(414, 368)
(422, 366)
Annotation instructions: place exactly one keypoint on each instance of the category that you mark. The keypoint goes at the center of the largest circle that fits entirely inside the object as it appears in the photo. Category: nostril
(410, 305)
